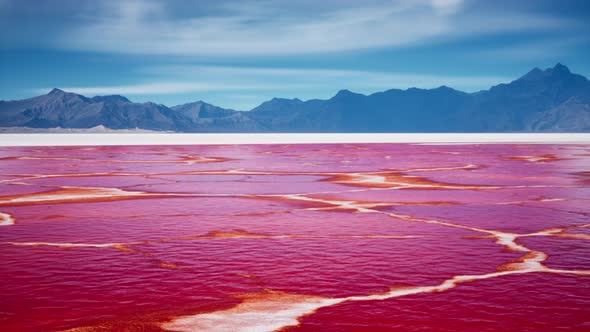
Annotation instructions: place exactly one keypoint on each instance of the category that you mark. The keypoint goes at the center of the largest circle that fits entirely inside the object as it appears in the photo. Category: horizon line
(96, 139)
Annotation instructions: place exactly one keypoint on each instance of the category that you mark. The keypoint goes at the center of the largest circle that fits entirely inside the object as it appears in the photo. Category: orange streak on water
(537, 159)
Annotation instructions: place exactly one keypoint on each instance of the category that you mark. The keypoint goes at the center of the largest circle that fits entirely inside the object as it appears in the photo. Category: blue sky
(238, 54)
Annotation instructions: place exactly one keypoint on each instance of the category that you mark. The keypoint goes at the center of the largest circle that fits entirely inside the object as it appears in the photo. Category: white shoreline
(190, 139)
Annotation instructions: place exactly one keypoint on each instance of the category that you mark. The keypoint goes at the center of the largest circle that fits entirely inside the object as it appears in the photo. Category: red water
(345, 237)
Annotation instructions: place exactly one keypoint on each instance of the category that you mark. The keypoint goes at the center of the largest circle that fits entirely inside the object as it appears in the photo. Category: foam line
(68, 245)
(6, 219)
(273, 311)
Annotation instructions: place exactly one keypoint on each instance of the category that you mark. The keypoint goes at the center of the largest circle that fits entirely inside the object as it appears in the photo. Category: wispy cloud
(446, 7)
(240, 87)
(314, 78)
(247, 28)
(533, 49)
(167, 88)
(227, 79)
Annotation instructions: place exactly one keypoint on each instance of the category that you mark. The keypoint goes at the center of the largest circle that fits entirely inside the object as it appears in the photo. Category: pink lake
(300, 237)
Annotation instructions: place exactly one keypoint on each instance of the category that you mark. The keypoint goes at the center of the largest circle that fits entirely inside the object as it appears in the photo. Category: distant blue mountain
(553, 99)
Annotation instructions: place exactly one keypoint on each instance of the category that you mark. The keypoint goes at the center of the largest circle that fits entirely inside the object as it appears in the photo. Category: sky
(240, 53)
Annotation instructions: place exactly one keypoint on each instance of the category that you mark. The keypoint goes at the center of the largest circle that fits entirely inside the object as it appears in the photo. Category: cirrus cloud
(235, 88)
(267, 29)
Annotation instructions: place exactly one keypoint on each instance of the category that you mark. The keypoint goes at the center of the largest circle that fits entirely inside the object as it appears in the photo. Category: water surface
(304, 237)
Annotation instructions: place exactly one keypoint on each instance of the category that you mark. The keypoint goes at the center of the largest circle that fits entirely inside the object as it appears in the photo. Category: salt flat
(37, 139)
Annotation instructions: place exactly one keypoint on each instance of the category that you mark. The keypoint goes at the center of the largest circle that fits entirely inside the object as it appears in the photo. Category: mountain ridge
(554, 99)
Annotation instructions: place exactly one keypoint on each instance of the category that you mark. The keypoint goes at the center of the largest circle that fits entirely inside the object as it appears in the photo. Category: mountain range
(550, 100)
